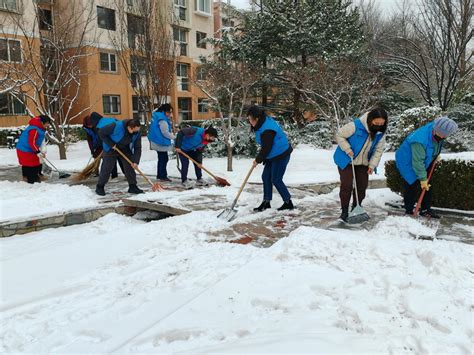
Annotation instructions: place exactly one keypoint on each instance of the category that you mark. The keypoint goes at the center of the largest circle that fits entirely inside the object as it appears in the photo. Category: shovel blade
(228, 214)
(358, 215)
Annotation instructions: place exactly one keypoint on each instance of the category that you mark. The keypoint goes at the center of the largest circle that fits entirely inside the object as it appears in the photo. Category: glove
(438, 158)
(424, 185)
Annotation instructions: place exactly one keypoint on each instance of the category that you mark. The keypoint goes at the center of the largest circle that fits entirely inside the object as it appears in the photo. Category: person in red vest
(28, 148)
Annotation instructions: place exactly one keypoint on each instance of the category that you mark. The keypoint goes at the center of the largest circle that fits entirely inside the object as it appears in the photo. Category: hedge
(452, 183)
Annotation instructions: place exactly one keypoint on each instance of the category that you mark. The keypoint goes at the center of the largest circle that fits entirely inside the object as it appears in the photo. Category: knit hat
(444, 126)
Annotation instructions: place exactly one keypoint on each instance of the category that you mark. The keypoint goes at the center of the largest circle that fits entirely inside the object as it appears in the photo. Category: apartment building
(108, 84)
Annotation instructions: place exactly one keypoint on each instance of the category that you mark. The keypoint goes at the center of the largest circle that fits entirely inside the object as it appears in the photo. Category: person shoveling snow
(360, 147)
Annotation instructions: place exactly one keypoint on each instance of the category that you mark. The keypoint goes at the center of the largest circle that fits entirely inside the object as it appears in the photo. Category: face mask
(438, 138)
(376, 128)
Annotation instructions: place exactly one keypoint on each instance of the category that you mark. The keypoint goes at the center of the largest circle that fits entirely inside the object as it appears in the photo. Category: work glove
(438, 158)
(424, 185)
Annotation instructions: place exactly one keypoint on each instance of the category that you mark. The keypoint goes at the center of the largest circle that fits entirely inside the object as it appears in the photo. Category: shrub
(452, 183)
(463, 140)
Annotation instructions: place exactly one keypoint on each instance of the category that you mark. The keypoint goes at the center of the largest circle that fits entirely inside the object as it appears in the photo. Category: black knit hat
(44, 119)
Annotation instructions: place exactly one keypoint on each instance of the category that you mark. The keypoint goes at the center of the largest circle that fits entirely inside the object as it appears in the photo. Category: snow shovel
(154, 186)
(420, 199)
(62, 175)
(219, 180)
(229, 213)
(357, 215)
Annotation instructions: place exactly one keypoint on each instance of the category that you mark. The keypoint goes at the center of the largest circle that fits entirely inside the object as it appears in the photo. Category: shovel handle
(198, 164)
(131, 164)
(243, 185)
(423, 191)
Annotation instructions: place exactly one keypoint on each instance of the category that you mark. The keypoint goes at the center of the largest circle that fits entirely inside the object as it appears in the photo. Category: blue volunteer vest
(356, 141)
(403, 156)
(280, 142)
(117, 134)
(23, 145)
(95, 138)
(154, 133)
(193, 142)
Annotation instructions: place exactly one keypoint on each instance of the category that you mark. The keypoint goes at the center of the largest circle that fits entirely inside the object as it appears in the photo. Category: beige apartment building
(107, 88)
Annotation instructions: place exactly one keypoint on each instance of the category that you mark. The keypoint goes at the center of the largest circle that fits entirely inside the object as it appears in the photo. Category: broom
(88, 170)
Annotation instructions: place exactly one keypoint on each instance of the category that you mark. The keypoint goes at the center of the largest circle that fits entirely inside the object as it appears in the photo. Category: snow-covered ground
(122, 285)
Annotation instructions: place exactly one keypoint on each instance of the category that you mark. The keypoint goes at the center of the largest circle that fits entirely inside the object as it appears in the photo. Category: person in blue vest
(124, 135)
(363, 142)
(89, 124)
(192, 141)
(160, 135)
(415, 158)
(28, 148)
(275, 152)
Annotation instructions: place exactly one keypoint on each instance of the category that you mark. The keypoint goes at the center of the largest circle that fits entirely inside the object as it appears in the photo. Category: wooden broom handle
(131, 164)
(198, 164)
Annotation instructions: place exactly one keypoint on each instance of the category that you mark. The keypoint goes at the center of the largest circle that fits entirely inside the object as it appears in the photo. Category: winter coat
(160, 132)
(403, 156)
(114, 132)
(191, 138)
(356, 136)
(29, 143)
(273, 140)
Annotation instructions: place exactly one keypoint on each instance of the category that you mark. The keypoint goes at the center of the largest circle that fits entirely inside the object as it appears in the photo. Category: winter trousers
(162, 162)
(109, 161)
(196, 155)
(411, 194)
(346, 190)
(272, 175)
(31, 173)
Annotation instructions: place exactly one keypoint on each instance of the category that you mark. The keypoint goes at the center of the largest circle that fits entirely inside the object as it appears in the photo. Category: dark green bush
(452, 183)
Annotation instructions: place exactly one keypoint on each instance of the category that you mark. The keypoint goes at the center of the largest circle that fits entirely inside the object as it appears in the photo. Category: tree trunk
(229, 157)
(62, 150)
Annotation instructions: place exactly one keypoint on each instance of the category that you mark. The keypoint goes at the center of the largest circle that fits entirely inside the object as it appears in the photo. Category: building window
(200, 73)
(9, 5)
(180, 37)
(10, 50)
(184, 109)
(203, 105)
(10, 105)
(108, 62)
(180, 6)
(201, 39)
(45, 19)
(203, 6)
(182, 73)
(106, 18)
(111, 104)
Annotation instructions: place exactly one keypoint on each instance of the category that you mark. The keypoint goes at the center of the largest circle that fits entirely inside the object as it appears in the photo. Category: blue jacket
(403, 156)
(154, 132)
(94, 136)
(23, 145)
(280, 142)
(357, 141)
(118, 133)
(195, 141)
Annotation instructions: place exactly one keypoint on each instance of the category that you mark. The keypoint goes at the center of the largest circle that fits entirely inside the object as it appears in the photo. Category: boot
(287, 205)
(344, 214)
(429, 213)
(99, 190)
(263, 206)
(134, 189)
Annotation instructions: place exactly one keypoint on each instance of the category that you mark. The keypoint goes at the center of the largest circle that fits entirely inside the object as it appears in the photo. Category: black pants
(31, 173)
(346, 190)
(196, 155)
(411, 194)
(109, 161)
(161, 172)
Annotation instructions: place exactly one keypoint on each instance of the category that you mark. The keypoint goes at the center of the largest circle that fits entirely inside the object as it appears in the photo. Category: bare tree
(429, 48)
(227, 85)
(54, 49)
(146, 48)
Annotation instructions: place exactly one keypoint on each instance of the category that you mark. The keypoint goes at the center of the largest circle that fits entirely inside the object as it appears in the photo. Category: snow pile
(22, 200)
(164, 286)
